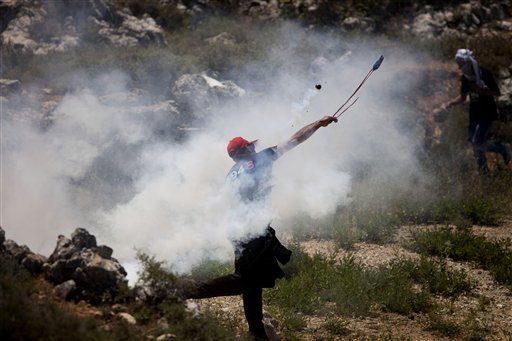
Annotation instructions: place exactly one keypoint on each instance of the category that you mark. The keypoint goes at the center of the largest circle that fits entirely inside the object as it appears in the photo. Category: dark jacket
(481, 107)
(256, 259)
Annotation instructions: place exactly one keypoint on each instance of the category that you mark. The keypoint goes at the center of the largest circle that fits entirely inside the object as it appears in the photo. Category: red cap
(236, 144)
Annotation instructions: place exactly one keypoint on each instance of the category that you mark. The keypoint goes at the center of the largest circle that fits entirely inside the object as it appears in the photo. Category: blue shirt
(253, 175)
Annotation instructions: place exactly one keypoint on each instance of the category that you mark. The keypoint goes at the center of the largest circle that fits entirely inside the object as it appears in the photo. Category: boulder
(10, 86)
(42, 27)
(428, 25)
(472, 16)
(103, 251)
(64, 250)
(127, 318)
(504, 102)
(82, 239)
(34, 263)
(18, 252)
(22, 254)
(223, 38)
(90, 266)
(131, 31)
(65, 290)
(25, 31)
(260, 9)
(196, 93)
(96, 273)
(166, 337)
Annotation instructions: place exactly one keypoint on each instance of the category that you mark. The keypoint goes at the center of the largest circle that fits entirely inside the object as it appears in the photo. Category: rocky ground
(490, 301)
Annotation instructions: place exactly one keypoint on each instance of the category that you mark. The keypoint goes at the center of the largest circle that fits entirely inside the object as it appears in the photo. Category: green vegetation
(211, 269)
(444, 326)
(462, 245)
(350, 289)
(165, 293)
(337, 327)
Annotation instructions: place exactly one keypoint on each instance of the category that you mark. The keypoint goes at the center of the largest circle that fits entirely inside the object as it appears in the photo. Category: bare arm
(454, 101)
(443, 109)
(304, 133)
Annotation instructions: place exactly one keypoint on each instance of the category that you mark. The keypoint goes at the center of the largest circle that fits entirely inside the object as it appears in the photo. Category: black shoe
(259, 336)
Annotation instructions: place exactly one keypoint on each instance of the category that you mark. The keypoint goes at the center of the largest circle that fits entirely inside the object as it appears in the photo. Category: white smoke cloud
(174, 204)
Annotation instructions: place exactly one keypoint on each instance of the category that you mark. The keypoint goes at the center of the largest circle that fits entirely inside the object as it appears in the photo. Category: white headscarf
(470, 70)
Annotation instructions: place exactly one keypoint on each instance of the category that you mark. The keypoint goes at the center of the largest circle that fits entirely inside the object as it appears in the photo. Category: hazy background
(100, 166)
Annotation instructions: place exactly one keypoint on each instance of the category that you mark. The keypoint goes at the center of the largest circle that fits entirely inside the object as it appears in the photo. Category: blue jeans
(478, 131)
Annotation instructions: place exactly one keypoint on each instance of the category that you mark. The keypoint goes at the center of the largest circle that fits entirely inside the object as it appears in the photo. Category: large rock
(65, 290)
(196, 93)
(461, 20)
(24, 30)
(131, 31)
(505, 100)
(22, 254)
(91, 267)
(41, 27)
(9, 86)
(34, 263)
(18, 252)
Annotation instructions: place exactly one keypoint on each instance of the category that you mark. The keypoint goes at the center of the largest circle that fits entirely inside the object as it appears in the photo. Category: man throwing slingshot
(256, 259)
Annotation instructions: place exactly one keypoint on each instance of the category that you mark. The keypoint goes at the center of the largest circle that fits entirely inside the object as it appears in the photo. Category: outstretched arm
(304, 133)
(452, 102)
(440, 113)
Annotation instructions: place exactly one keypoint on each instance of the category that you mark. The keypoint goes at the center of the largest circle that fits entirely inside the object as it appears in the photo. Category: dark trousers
(478, 130)
(231, 285)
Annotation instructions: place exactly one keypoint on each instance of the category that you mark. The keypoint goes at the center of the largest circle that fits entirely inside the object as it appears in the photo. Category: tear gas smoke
(99, 166)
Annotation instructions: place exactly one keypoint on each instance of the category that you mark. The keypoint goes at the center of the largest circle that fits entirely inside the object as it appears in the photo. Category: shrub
(165, 290)
(394, 289)
(300, 292)
(444, 326)
(463, 245)
(159, 283)
(209, 269)
(353, 289)
(434, 275)
(337, 326)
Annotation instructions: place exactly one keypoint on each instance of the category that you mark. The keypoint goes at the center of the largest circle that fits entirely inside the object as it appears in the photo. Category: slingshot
(376, 65)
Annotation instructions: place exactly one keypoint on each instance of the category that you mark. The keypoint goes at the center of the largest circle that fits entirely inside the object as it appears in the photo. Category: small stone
(127, 318)
(165, 337)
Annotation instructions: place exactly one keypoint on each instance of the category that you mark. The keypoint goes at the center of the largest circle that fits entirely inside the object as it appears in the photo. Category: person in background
(256, 259)
(479, 85)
